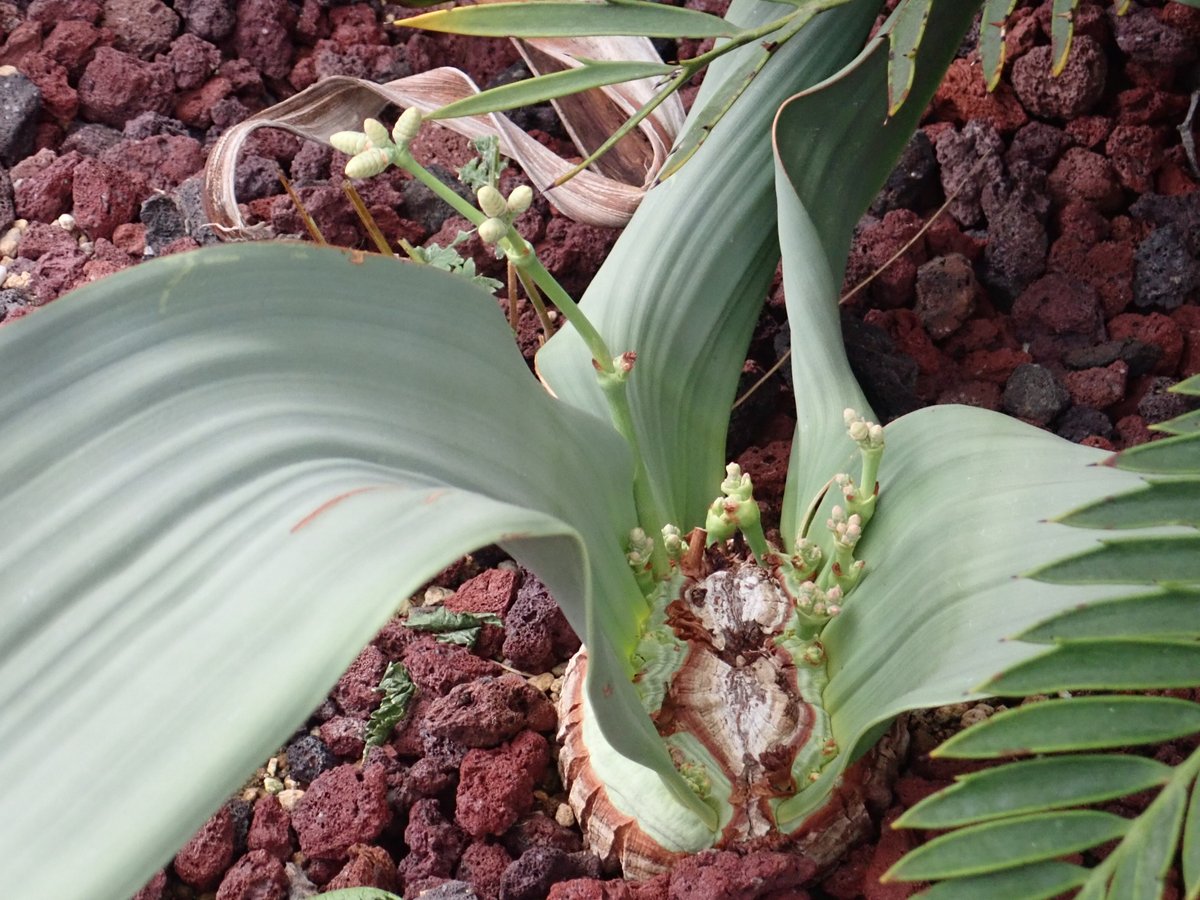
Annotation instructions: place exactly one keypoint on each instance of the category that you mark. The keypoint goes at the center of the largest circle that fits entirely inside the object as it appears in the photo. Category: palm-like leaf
(1146, 640)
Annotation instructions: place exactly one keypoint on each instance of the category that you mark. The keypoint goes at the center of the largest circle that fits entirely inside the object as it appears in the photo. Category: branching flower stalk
(373, 150)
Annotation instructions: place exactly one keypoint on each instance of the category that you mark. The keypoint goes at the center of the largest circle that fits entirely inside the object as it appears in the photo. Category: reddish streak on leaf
(329, 504)
(433, 498)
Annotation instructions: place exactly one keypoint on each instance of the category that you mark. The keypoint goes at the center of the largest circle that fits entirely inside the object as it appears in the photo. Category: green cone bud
(493, 230)
(376, 133)
(407, 126)
(370, 162)
(491, 201)
(349, 142)
(520, 199)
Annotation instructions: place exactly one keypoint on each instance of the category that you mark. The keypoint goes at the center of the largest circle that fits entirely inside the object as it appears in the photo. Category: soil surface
(1061, 285)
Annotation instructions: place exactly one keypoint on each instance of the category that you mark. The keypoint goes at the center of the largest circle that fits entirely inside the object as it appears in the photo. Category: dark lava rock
(163, 221)
(308, 757)
(212, 20)
(91, 139)
(449, 890)
(1081, 422)
(341, 807)
(487, 712)
(256, 876)
(270, 829)
(1033, 393)
(537, 634)
(192, 60)
(1015, 254)
(1038, 144)
(947, 292)
(913, 183)
(142, 27)
(20, 104)
(969, 159)
(1147, 38)
(206, 856)
(435, 844)
(1061, 306)
(888, 377)
(1166, 273)
(539, 830)
(1158, 404)
(530, 877)
(344, 735)
(1073, 92)
(1156, 329)
(495, 787)
(1182, 212)
(261, 35)
(1141, 357)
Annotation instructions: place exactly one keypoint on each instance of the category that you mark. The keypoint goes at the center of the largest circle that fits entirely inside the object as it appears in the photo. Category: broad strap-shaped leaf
(991, 39)
(221, 473)
(689, 315)
(551, 18)
(1160, 503)
(1035, 785)
(839, 133)
(1172, 612)
(1141, 560)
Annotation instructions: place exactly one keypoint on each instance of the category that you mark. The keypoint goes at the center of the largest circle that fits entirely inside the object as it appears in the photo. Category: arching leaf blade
(991, 39)
(550, 87)
(1179, 455)
(1188, 423)
(1062, 29)
(1159, 503)
(1109, 664)
(550, 18)
(1080, 723)
(1037, 881)
(1190, 850)
(1148, 850)
(905, 29)
(1035, 785)
(995, 846)
(1140, 560)
(1172, 612)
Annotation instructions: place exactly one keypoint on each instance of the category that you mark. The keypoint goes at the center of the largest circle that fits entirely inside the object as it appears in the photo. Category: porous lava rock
(256, 876)
(204, 858)
(343, 806)
(368, 866)
(270, 828)
(1073, 92)
(495, 787)
(487, 712)
(537, 634)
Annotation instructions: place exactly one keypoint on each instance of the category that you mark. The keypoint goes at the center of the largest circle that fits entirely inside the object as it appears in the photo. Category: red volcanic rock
(725, 874)
(435, 844)
(492, 592)
(963, 97)
(341, 807)
(591, 889)
(72, 44)
(345, 735)
(1089, 132)
(495, 787)
(203, 859)
(1072, 92)
(482, 866)
(59, 99)
(435, 667)
(1107, 267)
(41, 238)
(1136, 152)
(1087, 176)
(104, 197)
(1098, 387)
(270, 829)
(368, 867)
(489, 711)
(115, 87)
(876, 245)
(45, 194)
(51, 11)
(356, 691)
(261, 35)
(1155, 328)
(192, 60)
(892, 845)
(1059, 305)
(164, 160)
(142, 27)
(256, 876)
(1187, 320)
(154, 889)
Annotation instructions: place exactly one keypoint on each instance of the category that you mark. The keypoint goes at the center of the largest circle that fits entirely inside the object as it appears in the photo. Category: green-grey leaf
(1033, 786)
(839, 133)
(360, 893)
(1190, 851)
(398, 691)
(991, 39)
(1173, 612)
(1178, 455)
(994, 846)
(549, 87)
(1188, 423)
(690, 316)
(1080, 723)
(1159, 503)
(556, 19)
(1141, 560)
(1149, 848)
(1037, 881)
(904, 29)
(1062, 28)
(222, 472)
(1191, 384)
(449, 627)
(1103, 665)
